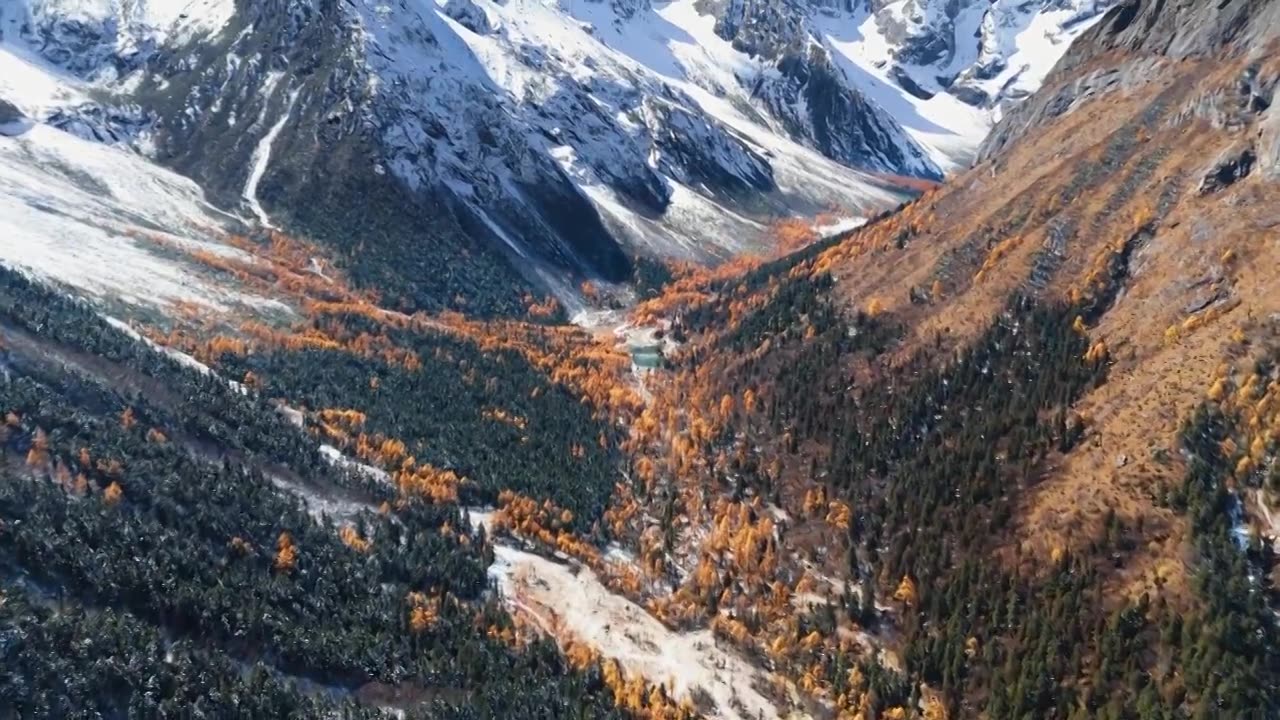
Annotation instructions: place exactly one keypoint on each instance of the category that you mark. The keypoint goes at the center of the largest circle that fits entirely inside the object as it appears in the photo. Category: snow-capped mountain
(568, 134)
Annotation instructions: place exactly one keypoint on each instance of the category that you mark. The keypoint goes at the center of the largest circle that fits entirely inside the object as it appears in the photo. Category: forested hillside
(1008, 451)
(1016, 442)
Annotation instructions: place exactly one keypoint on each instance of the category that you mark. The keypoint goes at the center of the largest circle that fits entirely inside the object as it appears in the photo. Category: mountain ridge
(642, 130)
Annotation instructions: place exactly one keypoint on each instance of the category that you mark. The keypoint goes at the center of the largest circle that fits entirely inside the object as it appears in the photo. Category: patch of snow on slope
(1031, 45)
(1003, 50)
(690, 228)
(838, 226)
(262, 155)
(28, 81)
(562, 600)
(336, 456)
(83, 213)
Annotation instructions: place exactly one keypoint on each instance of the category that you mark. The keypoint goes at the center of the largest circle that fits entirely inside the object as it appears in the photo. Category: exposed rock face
(626, 8)
(9, 112)
(469, 15)
(1231, 167)
(1148, 34)
(813, 101)
(810, 96)
(12, 120)
(1179, 29)
(690, 151)
(113, 125)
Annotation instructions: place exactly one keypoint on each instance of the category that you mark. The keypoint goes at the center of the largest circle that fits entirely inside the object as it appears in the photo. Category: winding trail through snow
(261, 158)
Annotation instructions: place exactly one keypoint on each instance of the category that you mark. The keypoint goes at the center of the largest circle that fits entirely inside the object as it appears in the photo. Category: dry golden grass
(1219, 250)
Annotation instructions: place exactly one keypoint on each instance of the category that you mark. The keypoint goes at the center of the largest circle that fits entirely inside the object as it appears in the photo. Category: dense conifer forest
(152, 563)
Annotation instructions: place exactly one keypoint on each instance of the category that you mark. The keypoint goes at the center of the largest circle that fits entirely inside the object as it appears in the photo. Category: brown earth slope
(1161, 153)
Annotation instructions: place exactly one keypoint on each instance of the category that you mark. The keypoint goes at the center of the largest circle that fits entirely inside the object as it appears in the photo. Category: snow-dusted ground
(562, 598)
(31, 84)
(99, 217)
(83, 213)
(336, 456)
(839, 226)
(262, 156)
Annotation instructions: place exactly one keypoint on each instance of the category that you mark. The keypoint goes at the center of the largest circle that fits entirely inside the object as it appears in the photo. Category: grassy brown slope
(1041, 218)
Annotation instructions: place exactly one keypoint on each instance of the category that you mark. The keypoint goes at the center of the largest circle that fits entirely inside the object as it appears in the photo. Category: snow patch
(96, 217)
(262, 155)
(1002, 50)
(947, 128)
(28, 81)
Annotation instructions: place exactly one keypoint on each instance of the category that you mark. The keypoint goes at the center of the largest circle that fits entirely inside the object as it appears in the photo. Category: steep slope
(945, 71)
(1033, 415)
(1007, 452)
(548, 142)
(516, 136)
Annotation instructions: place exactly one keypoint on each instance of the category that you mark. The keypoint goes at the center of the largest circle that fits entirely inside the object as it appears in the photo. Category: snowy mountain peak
(566, 135)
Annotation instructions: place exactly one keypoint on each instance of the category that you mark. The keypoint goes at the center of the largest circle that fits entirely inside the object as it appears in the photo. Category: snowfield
(88, 215)
(97, 217)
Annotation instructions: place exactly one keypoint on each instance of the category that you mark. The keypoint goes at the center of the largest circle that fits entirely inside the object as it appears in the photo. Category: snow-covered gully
(261, 158)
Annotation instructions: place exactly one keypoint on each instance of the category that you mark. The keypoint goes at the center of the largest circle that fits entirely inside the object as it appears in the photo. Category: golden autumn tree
(1097, 352)
(935, 710)
(352, 539)
(1218, 390)
(726, 406)
(39, 453)
(424, 612)
(113, 493)
(906, 592)
(286, 552)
